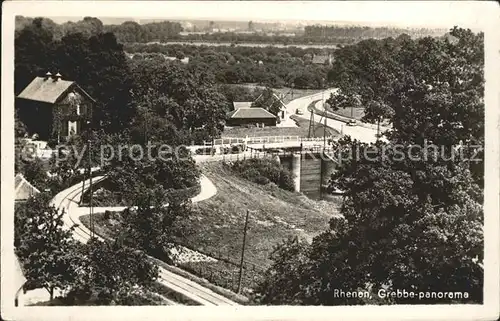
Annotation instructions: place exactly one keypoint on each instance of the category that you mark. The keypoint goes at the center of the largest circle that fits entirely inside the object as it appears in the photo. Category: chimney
(57, 77)
(48, 75)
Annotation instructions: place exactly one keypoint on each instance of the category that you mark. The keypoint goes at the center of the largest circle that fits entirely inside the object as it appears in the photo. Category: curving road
(68, 200)
(363, 131)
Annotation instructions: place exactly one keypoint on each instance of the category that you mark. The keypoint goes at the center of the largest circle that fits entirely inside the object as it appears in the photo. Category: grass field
(277, 215)
(302, 130)
(287, 92)
(219, 225)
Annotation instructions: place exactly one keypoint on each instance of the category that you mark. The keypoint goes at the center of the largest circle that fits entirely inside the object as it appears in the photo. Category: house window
(78, 109)
(72, 129)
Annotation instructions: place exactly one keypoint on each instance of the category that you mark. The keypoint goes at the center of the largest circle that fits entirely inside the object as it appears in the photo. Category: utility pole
(243, 251)
(212, 130)
(324, 130)
(83, 184)
(90, 190)
(311, 125)
(378, 128)
(146, 129)
(324, 134)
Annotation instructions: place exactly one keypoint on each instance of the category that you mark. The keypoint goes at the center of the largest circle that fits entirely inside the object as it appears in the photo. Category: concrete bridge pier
(311, 172)
(328, 167)
(296, 170)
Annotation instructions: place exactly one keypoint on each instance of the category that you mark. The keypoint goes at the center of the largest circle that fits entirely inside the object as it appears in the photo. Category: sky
(435, 14)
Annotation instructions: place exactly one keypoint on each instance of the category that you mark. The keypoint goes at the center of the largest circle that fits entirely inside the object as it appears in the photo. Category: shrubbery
(205, 151)
(233, 149)
(264, 171)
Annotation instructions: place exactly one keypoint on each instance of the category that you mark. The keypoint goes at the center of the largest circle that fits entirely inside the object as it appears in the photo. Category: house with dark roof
(54, 108)
(256, 116)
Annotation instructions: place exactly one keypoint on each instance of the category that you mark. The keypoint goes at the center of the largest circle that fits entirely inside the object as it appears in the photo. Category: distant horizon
(395, 14)
(144, 20)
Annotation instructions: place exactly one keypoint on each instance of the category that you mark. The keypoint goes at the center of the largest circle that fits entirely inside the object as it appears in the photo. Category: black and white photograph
(244, 155)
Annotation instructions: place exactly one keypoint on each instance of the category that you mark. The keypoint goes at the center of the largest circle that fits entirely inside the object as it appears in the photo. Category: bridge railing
(263, 140)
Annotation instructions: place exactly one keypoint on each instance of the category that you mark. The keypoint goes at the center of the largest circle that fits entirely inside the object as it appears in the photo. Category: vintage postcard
(250, 160)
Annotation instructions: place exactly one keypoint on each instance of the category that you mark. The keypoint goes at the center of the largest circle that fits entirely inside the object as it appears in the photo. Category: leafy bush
(233, 149)
(264, 171)
(261, 180)
(105, 193)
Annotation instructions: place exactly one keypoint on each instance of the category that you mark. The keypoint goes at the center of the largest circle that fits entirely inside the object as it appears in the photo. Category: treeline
(128, 31)
(131, 31)
(266, 54)
(409, 220)
(234, 37)
(319, 32)
(267, 66)
(170, 99)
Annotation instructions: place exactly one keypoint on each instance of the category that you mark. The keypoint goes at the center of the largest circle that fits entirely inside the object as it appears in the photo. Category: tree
(429, 89)
(131, 175)
(35, 172)
(282, 281)
(110, 272)
(377, 112)
(44, 247)
(19, 127)
(98, 64)
(406, 217)
(411, 225)
(411, 218)
(34, 38)
(89, 26)
(179, 55)
(184, 96)
(398, 74)
(155, 225)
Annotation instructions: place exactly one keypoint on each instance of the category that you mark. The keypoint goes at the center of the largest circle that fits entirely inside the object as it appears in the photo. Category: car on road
(299, 112)
(352, 122)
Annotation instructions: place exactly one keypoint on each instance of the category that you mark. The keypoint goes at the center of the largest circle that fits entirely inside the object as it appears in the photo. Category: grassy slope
(217, 227)
(109, 228)
(357, 112)
(279, 214)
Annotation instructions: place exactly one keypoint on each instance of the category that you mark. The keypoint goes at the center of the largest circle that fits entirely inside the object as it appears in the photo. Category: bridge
(311, 162)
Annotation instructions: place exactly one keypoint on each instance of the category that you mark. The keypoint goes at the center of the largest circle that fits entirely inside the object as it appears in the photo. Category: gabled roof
(249, 113)
(48, 90)
(271, 100)
(242, 104)
(23, 188)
